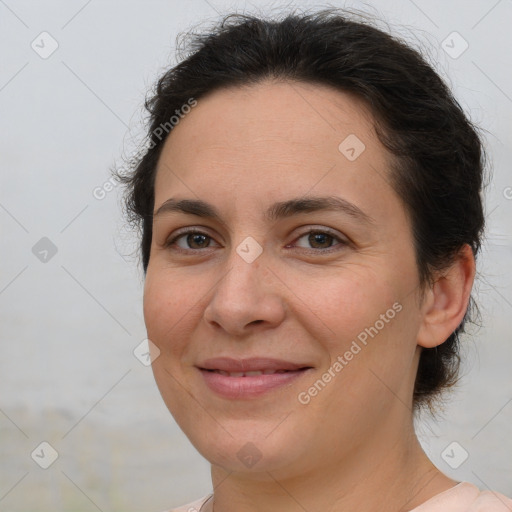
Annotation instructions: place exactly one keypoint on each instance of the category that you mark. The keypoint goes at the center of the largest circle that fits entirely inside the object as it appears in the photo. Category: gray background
(69, 325)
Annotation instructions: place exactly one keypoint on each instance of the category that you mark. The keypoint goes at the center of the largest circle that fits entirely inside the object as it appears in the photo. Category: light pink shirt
(464, 497)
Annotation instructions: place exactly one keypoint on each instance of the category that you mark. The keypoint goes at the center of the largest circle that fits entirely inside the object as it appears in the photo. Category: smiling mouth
(253, 373)
(250, 384)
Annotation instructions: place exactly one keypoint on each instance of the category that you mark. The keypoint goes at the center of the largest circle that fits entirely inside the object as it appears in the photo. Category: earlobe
(446, 302)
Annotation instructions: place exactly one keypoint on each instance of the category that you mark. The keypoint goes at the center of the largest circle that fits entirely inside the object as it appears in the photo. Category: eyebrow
(276, 211)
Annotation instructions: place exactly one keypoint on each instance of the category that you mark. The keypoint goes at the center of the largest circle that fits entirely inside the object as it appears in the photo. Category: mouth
(252, 373)
(249, 378)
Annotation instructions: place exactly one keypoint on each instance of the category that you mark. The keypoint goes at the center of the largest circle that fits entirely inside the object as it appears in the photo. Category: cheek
(168, 307)
(168, 304)
(368, 328)
(347, 302)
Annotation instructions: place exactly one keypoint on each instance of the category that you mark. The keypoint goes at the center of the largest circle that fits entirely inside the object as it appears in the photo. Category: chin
(246, 449)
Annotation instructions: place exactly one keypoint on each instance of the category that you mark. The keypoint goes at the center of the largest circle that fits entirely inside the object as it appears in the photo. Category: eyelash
(330, 249)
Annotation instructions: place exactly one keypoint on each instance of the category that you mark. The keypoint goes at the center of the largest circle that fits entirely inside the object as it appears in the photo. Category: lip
(250, 386)
(228, 364)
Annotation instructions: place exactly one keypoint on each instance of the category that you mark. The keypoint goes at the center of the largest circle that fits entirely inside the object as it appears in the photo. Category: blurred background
(82, 424)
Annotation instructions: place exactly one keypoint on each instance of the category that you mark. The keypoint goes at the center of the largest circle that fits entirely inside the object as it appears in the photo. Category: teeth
(249, 374)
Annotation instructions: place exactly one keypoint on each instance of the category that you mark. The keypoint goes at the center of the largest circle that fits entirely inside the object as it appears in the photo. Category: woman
(309, 234)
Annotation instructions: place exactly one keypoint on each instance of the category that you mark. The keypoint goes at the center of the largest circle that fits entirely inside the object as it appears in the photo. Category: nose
(247, 297)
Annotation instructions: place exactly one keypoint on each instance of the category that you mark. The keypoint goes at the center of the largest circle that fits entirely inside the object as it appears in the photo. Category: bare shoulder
(200, 505)
(490, 501)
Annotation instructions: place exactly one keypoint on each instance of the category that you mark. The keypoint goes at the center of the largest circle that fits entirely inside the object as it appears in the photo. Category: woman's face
(336, 308)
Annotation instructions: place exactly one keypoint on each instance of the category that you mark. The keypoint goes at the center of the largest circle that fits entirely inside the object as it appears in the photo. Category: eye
(315, 239)
(320, 240)
(192, 239)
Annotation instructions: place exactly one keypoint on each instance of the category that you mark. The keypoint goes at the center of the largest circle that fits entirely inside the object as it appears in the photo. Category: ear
(446, 302)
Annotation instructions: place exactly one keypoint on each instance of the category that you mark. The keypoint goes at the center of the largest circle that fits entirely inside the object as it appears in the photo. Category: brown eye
(316, 239)
(190, 240)
(320, 240)
(199, 240)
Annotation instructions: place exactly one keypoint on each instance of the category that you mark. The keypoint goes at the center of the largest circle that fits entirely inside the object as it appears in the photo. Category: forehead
(274, 139)
(295, 113)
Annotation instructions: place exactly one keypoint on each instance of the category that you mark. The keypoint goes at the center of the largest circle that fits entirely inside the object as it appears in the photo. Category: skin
(353, 446)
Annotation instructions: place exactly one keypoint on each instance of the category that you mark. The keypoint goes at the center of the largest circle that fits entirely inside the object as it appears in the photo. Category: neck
(389, 471)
